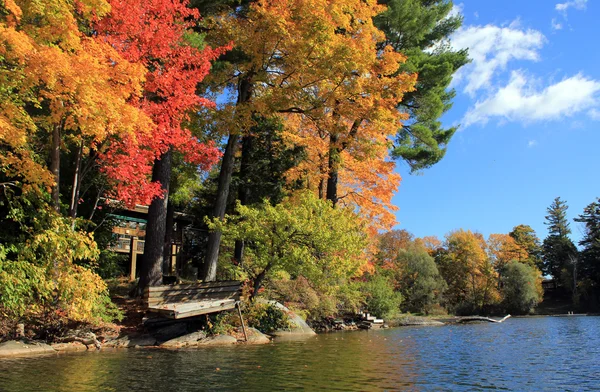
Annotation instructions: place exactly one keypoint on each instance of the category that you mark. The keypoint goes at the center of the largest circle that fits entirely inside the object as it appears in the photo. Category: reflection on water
(521, 354)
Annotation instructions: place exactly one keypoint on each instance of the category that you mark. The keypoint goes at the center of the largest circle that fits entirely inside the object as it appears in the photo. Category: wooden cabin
(130, 233)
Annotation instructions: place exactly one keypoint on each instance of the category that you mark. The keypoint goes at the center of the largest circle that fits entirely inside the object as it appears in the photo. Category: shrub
(39, 275)
(380, 297)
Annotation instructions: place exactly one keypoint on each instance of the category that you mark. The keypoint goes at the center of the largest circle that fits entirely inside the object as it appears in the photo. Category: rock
(190, 339)
(256, 337)
(17, 348)
(170, 332)
(219, 340)
(142, 341)
(71, 346)
(131, 341)
(415, 321)
(298, 325)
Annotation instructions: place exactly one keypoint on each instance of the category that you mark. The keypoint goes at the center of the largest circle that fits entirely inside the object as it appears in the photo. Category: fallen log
(468, 319)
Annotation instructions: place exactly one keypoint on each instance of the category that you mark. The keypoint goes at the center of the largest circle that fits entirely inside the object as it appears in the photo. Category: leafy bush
(39, 275)
(265, 317)
(380, 297)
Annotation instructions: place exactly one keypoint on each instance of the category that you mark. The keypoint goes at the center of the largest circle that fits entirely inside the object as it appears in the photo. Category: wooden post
(174, 254)
(237, 304)
(133, 257)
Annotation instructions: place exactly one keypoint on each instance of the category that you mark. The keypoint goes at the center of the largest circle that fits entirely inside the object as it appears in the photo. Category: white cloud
(556, 25)
(532, 143)
(594, 114)
(577, 4)
(491, 48)
(517, 101)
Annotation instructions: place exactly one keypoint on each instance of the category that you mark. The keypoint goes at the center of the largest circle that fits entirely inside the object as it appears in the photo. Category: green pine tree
(420, 30)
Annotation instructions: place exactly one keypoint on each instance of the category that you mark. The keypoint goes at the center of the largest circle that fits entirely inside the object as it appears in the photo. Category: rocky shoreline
(159, 334)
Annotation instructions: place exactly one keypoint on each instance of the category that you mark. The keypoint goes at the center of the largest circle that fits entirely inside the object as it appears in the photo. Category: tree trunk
(333, 167)
(76, 184)
(209, 272)
(168, 236)
(259, 279)
(244, 190)
(151, 266)
(55, 166)
(214, 238)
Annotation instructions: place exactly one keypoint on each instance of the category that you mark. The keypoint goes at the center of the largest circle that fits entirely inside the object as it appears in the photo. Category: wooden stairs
(370, 322)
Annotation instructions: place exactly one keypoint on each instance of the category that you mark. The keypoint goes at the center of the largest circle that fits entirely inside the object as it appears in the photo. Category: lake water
(546, 353)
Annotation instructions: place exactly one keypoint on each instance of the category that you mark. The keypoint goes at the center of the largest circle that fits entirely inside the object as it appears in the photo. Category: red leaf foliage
(153, 32)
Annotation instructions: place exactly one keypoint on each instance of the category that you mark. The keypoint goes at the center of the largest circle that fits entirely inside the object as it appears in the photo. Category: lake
(545, 353)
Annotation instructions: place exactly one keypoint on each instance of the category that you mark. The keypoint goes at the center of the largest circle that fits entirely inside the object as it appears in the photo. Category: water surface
(546, 353)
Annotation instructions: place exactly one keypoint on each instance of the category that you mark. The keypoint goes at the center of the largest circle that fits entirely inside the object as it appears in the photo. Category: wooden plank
(198, 312)
(183, 310)
(199, 285)
(194, 298)
(232, 288)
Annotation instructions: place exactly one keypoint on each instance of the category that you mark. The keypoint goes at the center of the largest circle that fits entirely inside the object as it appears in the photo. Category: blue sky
(529, 109)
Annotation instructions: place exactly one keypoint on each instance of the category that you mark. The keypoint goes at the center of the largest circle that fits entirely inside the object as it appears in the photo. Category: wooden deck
(187, 300)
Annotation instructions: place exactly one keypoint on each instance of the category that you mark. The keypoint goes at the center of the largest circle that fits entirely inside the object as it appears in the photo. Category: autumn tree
(502, 249)
(289, 58)
(526, 238)
(158, 34)
(421, 30)
(466, 268)
(302, 236)
(62, 90)
(390, 244)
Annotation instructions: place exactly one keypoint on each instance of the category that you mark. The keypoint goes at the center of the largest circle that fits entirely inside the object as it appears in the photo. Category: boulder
(298, 325)
(18, 348)
(131, 341)
(170, 332)
(190, 339)
(256, 337)
(142, 341)
(219, 340)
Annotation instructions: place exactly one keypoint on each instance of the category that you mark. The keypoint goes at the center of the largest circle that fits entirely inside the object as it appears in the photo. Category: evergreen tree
(590, 255)
(419, 29)
(558, 249)
(556, 220)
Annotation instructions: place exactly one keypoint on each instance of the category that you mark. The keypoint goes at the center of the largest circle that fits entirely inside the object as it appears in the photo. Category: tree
(589, 269)
(466, 268)
(421, 284)
(157, 34)
(303, 236)
(526, 238)
(61, 89)
(420, 30)
(502, 249)
(390, 246)
(556, 220)
(557, 246)
(333, 80)
(521, 287)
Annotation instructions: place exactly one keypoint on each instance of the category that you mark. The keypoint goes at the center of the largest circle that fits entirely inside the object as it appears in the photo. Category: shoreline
(12, 349)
